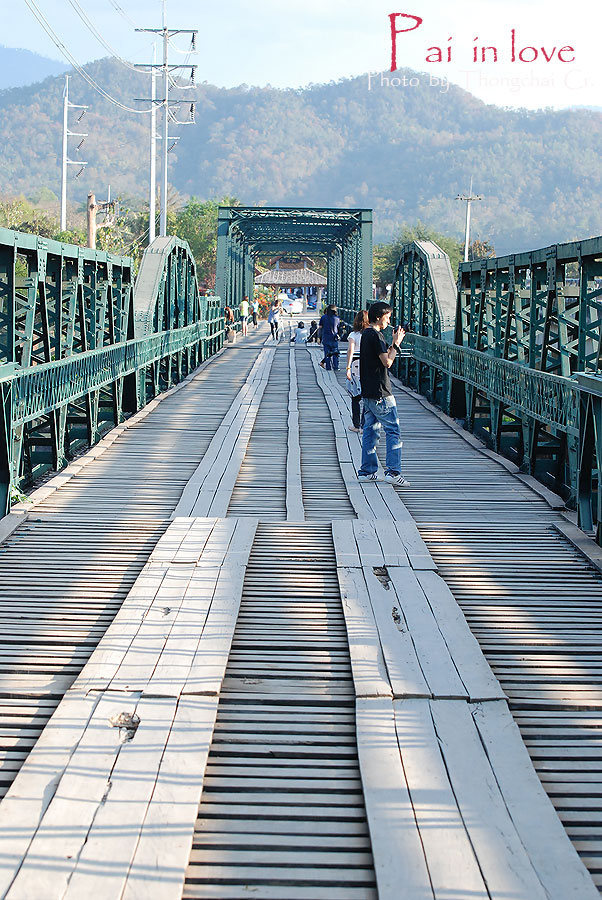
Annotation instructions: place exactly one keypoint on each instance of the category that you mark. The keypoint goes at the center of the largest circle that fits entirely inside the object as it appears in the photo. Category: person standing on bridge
(329, 327)
(380, 409)
(274, 318)
(244, 314)
(360, 323)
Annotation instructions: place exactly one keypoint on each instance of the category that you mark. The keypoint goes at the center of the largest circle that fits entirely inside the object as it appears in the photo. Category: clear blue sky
(289, 44)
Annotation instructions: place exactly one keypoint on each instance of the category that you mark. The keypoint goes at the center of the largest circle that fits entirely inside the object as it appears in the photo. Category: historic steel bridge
(228, 669)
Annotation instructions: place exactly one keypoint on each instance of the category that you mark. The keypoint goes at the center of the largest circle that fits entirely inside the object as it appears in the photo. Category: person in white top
(244, 314)
(301, 334)
(353, 367)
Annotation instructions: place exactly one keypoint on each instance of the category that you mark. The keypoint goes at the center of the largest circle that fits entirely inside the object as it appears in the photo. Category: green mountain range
(407, 152)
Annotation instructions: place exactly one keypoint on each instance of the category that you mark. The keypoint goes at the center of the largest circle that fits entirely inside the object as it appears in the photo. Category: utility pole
(167, 33)
(469, 199)
(165, 135)
(152, 194)
(65, 161)
(92, 209)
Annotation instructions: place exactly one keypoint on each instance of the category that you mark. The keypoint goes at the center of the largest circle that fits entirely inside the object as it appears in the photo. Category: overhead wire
(123, 13)
(92, 28)
(63, 49)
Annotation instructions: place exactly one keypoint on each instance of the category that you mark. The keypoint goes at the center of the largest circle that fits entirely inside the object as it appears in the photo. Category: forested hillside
(406, 152)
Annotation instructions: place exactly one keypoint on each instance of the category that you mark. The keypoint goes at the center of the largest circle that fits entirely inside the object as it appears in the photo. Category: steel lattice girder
(343, 236)
(542, 308)
(79, 348)
(424, 292)
(525, 324)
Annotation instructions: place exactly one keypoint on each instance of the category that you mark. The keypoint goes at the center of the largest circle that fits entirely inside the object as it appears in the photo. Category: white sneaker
(353, 428)
(398, 480)
(373, 476)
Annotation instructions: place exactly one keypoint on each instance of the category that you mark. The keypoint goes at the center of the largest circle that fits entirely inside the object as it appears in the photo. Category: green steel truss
(343, 236)
(423, 293)
(542, 308)
(80, 349)
(525, 325)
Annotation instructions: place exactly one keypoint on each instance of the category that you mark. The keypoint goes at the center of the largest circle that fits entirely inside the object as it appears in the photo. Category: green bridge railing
(520, 364)
(81, 348)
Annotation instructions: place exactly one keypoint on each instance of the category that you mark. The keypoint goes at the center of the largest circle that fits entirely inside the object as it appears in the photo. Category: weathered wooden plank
(295, 511)
(399, 862)
(403, 664)
(162, 852)
(463, 647)
(367, 662)
(433, 654)
(417, 551)
(505, 864)
(274, 892)
(224, 437)
(452, 865)
(556, 862)
(174, 663)
(52, 854)
(28, 798)
(393, 550)
(209, 663)
(368, 544)
(102, 865)
(137, 666)
(216, 489)
(345, 547)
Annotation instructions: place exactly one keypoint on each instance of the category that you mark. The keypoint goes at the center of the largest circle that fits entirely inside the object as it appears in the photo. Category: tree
(19, 214)
(479, 249)
(196, 223)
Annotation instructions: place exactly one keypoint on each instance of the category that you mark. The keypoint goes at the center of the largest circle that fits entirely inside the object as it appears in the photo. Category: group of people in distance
(369, 358)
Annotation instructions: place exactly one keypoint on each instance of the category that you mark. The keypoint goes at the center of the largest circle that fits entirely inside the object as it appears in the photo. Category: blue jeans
(380, 414)
(331, 353)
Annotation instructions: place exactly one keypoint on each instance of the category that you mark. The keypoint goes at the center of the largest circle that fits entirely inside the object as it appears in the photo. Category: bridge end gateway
(343, 237)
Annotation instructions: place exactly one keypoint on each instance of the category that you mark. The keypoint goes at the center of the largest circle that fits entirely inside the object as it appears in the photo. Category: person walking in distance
(244, 315)
(255, 310)
(360, 323)
(274, 318)
(329, 325)
(380, 409)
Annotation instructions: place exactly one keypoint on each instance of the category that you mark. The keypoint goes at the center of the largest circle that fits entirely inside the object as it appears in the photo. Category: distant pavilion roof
(292, 278)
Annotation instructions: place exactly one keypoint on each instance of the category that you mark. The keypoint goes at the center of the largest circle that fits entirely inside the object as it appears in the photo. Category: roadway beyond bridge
(230, 670)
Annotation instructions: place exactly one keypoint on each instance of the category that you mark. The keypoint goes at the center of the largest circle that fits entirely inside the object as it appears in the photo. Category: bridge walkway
(298, 706)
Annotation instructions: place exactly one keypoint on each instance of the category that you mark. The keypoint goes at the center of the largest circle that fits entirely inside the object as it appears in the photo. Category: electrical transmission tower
(470, 198)
(164, 102)
(67, 105)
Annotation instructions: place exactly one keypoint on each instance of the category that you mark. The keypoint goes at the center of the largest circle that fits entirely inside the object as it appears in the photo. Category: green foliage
(265, 296)
(19, 214)
(479, 249)
(386, 256)
(196, 222)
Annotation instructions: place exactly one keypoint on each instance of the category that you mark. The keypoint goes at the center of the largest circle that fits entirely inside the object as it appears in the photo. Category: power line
(91, 27)
(122, 13)
(60, 46)
(166, 69)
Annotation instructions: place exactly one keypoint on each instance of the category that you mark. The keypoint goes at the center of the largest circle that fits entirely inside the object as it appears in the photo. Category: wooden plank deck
(326, 704)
